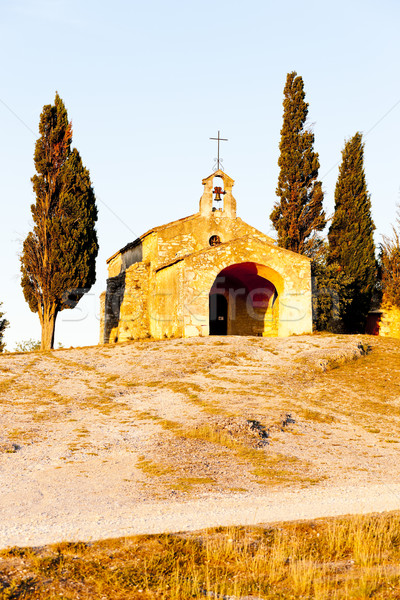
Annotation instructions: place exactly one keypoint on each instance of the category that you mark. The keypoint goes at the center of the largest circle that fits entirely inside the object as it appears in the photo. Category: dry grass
(6, 385)
(314, 415)
(365, 389)
(187, 483)
(192, 392)
(26, 435)
(151, 468)
(166, 424)
(339, 558)
(265, 465)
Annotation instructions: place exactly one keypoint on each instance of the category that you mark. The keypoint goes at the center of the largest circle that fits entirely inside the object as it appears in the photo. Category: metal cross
(219, 139)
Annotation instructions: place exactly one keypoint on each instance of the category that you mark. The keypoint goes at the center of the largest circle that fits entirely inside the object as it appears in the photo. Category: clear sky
(147, 83)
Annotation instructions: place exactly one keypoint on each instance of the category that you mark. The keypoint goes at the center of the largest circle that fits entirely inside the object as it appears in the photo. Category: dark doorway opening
(218, 311)
(252, 300)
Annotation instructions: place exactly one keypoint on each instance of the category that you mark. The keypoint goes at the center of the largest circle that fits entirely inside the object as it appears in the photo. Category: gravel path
(40, 521)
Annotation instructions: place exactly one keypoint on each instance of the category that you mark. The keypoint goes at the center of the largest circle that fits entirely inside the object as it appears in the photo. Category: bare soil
(180, 434)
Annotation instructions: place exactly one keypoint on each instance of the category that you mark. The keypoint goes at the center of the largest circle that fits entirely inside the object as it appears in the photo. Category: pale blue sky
(147, 84)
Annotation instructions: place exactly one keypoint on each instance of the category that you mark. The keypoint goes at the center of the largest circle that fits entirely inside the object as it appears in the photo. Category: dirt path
(46, 518)
(183, 434)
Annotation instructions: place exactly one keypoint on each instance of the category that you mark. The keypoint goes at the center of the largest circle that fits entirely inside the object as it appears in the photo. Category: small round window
(214, 240)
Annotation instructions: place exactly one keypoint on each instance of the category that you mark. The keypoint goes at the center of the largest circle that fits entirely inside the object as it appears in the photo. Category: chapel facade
(207, 274)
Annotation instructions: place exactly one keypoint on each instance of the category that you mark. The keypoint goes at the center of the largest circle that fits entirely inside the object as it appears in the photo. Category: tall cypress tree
(298, 214)
(58, 257)
(351, 242)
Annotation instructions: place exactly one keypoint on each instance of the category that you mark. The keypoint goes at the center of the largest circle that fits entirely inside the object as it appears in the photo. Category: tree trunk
(48, 328)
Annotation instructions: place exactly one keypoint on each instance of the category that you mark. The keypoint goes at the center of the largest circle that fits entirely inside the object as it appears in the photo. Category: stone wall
(112, 303)
(134, 313)
(102, 314)
(289, 273)
(250, 320)
(173, 301)
(141, 250)
(192, 235)
(159, 285)
(115, 265)
(166, 309)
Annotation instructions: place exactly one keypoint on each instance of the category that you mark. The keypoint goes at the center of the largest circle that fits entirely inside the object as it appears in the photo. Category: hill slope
(90, 436)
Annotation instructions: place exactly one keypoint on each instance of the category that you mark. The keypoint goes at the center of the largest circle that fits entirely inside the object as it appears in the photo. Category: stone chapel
(206, 274)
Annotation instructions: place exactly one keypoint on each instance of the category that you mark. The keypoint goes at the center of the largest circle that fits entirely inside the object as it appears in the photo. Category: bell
(218, 191)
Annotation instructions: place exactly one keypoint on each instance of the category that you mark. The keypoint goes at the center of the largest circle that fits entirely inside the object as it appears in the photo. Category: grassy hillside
(185, 417)
(355, 557)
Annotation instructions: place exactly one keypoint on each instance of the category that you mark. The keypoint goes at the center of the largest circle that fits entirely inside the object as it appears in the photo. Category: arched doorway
(251, 301)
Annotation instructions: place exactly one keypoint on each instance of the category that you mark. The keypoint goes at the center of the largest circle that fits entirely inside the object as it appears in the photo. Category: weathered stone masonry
(209, 272)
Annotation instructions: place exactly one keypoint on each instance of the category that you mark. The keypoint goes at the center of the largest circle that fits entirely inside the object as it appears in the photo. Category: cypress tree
(331, 292)
(3, 326)
(351, 242)
(390, 265)
(58, 257)
(298, 214)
